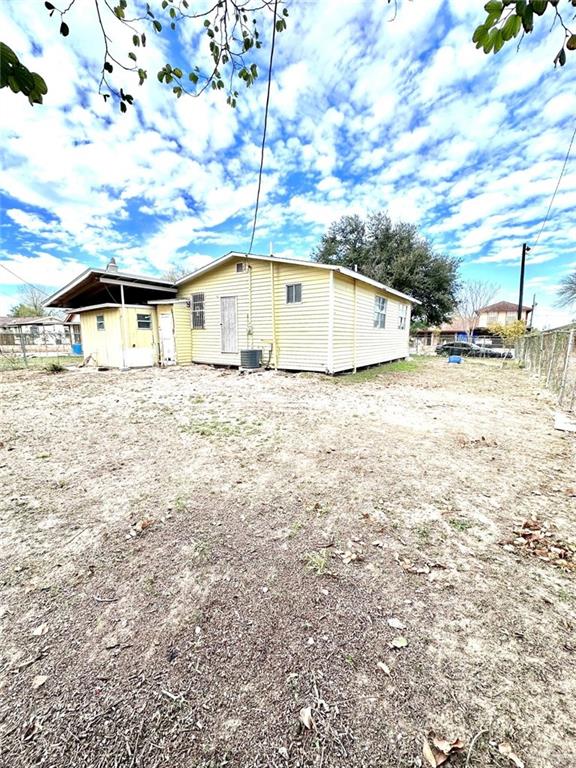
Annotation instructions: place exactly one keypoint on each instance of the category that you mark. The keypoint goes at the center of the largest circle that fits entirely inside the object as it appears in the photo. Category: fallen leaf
(399, 642)
(505, 748)
(38, 681)
(384, 667)
(429, 755)
(306, 717)
(396, 623)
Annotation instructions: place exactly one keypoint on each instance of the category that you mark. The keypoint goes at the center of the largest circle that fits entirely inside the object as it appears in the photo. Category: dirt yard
(202, 569)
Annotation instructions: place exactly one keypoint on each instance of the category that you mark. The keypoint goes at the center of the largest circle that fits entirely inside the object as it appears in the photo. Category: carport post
(122, 325)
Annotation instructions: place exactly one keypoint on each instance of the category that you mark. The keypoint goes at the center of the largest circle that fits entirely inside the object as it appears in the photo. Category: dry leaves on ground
(437, 751)
(505, 748)
(535, 538)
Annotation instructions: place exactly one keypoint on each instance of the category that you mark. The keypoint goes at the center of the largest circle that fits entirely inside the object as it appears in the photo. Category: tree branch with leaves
(231, 30)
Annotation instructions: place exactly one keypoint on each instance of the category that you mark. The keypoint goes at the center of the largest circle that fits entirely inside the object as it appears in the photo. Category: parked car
(469, 349)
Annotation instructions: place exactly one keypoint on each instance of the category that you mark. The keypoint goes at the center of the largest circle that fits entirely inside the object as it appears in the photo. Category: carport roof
(97, 286)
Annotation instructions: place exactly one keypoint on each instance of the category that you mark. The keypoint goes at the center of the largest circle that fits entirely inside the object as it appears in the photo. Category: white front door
(228, 324)
(167, 345)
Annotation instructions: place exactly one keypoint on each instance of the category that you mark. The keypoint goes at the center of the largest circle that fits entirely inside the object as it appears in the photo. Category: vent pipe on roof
(112, 266)
(270, 249)
(355, 267)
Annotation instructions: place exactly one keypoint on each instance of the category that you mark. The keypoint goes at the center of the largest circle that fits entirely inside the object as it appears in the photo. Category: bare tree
(174, 272)
(30, 304)
(567, 291)
(473, 296)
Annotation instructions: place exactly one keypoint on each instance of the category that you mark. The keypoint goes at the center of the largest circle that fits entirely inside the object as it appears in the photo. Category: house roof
(503, 306)
(298, 262)
(97, 286)
(8, 322)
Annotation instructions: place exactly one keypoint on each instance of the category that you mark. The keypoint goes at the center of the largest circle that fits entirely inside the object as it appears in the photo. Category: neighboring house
(501, 313)
(38, 334)
(301, 316)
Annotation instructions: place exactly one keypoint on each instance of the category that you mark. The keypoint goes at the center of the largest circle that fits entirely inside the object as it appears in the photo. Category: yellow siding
(254, 312)
(105, 346)
(302, 329)
(140, 345)
(182, 332)
(373, 345)
(121, 342)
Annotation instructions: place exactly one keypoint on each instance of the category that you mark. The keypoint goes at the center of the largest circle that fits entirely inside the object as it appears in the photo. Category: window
(241, 266)
(402, 315)
(198, 310)
(294, 293)
(99, 322)
(144, 322)
(492, 318)
(380, 312)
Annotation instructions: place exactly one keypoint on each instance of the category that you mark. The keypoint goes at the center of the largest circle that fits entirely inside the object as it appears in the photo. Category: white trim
(129, 284)
(297, 262)
(111, 306)
(330, 351)
(168, 301)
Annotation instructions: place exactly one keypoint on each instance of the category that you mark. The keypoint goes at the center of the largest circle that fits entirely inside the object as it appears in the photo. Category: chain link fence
(551, 357)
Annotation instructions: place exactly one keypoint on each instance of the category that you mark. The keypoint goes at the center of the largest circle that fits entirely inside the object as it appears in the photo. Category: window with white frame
(241, 266)
(402, 315)
(144, 322)
(294, 293)
(99, 322)
(380, 304)
(198, 311)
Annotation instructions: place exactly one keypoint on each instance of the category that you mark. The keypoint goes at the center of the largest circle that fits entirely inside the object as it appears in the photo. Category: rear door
(229, 324)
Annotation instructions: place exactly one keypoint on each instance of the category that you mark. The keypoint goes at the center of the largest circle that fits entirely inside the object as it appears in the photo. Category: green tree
(506, 19)
(397, 255)
(230, 31)
(567, 291)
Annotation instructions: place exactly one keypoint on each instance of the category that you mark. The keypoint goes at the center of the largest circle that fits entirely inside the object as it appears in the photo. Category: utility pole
(525, 249)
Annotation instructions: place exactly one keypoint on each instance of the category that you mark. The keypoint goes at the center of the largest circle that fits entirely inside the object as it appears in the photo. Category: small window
(198, 310)
(294, 293)
(380, 312)
(492, 319)
(241, 266)
(144, 322)
(402, 315)
(99, 322)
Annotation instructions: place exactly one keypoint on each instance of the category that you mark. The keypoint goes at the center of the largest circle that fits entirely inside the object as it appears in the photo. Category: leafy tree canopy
(397, 255)
(506, 19)
(25, 310)
(231, 31)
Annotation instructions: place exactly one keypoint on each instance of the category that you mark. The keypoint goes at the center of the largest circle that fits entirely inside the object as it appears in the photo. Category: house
(458, 327)
(38, 334)
(299, 315)
(502, 313)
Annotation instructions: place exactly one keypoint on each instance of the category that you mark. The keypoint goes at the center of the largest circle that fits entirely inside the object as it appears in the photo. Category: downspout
(249, 329)
(122, 329)
(274, 339)
(330, 355)
(354, 337)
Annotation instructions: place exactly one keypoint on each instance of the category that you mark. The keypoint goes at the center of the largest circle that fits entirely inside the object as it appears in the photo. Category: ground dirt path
(190, 557)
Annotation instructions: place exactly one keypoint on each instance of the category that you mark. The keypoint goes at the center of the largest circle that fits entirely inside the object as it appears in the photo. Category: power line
(265, 127)
(556, 190)
(23, 281)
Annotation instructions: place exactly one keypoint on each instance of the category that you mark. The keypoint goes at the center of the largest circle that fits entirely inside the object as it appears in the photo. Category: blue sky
(366, 114)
